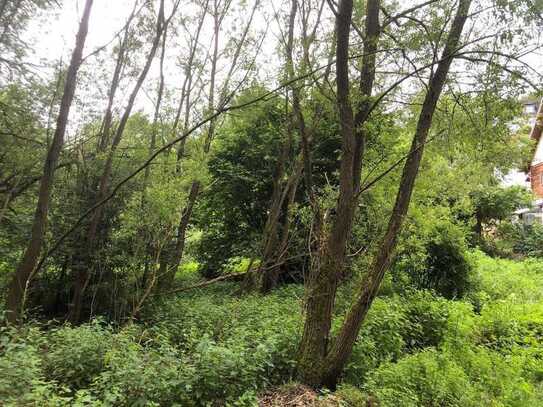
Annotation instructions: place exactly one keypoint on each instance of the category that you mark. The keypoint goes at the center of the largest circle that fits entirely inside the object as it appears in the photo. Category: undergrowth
(214, 347)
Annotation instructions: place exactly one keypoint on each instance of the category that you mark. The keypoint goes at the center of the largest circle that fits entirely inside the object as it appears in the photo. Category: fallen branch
(233, 276)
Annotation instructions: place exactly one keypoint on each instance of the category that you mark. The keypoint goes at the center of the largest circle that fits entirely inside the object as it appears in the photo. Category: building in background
(535, 110)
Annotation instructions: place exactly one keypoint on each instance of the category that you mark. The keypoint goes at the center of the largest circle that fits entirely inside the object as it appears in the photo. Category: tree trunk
(321, 285)
(7, 200)
(169, 268)
(275, 235)
(19, 283)
(173, 252)
(267, 275)
(105, 129)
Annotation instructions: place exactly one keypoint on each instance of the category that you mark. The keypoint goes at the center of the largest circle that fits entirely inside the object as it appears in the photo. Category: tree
(82, 274)
(320, 362)
(219, 94)
(19, 283)
(14, 16)
(497, 204)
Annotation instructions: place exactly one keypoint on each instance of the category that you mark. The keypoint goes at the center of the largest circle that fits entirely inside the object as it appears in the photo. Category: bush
(380, 339)
(427, 317)
(428, 378)
(22, 380)
(233, 345)
(403, 324)
(448, 271)
(76, 355)
(433, 255)
(501, 278)
(504, 324)
(136, 375)
(498, 379)
(213, 347)
(352, 396)
(470, 378)
(530, 240)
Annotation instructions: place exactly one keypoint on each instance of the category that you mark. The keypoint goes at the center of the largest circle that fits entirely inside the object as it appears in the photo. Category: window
(530, 109)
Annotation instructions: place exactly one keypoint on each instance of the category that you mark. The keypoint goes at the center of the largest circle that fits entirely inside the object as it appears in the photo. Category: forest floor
(214, 347)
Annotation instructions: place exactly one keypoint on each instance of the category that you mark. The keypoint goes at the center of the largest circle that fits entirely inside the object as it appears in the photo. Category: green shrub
(464, 377)
(501, 278)
(428, 378)
(213, 347)
(408, 323)
(504, 324)
(22, 380)
(427, 317)
(433, 256)
(76, 354)
(351, 396)
(138, 376)
(448, 271)
(233, 345)
(530, 240)
(380, 339)
(500, 380)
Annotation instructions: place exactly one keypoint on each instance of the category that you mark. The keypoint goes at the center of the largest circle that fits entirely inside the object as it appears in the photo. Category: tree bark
(19, 283)
(321, 285)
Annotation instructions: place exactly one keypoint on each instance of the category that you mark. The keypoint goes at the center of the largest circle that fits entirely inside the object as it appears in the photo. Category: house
(530, 106)
(535, 111)
(529, 216)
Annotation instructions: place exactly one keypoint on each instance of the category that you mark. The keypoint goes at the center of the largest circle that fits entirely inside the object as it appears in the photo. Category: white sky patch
(516, 177)
(53, 36)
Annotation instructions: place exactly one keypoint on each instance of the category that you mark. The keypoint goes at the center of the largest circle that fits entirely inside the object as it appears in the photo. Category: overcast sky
(53, 36)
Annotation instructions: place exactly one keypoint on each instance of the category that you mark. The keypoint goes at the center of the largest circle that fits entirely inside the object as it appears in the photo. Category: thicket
(213, 347)
(252, 194)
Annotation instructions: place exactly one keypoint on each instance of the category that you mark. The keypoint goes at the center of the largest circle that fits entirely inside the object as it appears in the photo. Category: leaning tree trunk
(105, 129)
(274, 242)
(170, 268)
(20, 280)
(173, 259)
(173, 251)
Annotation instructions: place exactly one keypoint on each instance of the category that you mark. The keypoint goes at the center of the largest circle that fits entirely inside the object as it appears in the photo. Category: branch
(396, 164)
(233, 276)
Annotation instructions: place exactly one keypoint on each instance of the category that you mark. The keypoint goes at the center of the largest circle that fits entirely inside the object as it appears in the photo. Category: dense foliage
(295, 202)
(211, 346)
